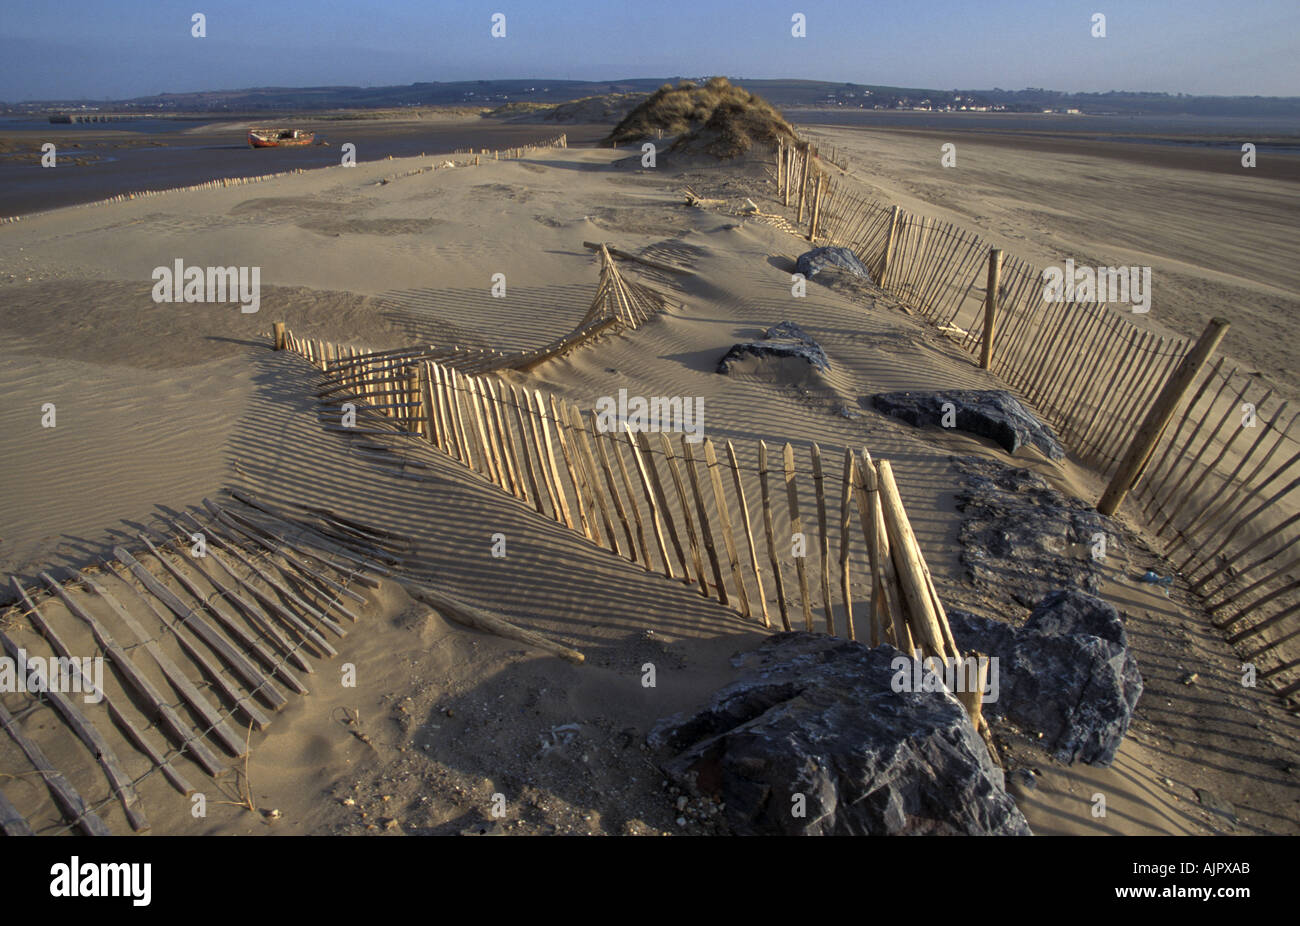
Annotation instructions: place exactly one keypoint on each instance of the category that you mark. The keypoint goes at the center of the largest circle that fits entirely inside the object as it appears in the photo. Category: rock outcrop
(813, 740)
(786, 340)
(1067, 673)
(992, 413)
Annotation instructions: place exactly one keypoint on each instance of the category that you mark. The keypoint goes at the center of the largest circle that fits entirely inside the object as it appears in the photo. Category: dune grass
(717, 118)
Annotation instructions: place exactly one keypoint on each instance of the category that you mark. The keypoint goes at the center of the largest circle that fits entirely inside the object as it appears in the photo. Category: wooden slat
(505, 424)
(76, 720)
(846, 518)
(539, 409)
(458, 411)
(675, 473)
(706, 530)
(749, 532)
(144, 688)
(527, 441)
(647, 463)
(771, 536)
(259, 619)
(287, 594)
(197, 750)
(191, 620)
(64, 794)
(724, 518)
(321, 585)
(590, 474)
(796, 527)
(601, 439)
(824, 547)
(539, 449)
(570, 465)
(887, 620)
(651, 498)
(907, 558)
(209, 669)
(12, 823)
(229, 623)
(488, 453)
(363, 565)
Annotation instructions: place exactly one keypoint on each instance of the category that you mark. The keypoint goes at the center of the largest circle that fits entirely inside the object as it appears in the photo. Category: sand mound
(718, 119)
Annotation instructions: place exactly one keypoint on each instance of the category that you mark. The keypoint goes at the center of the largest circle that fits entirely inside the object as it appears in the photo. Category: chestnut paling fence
(742, 525)
(1208, 454)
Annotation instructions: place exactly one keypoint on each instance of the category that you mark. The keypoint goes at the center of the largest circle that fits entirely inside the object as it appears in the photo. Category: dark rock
(817, 716)
(784, 340)
(1022, 779)
(992, 413)
(1021, 538)
(813, 262)
(1068, 673)
(1212, 802)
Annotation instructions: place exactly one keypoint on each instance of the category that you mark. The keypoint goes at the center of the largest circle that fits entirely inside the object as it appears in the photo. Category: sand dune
(160, 405)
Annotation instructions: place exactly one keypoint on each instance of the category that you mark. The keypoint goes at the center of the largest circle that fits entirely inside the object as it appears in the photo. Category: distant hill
(608, 107)
(781, 93)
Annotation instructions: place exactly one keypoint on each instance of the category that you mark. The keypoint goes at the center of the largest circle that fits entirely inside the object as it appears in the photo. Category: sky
(102, 49)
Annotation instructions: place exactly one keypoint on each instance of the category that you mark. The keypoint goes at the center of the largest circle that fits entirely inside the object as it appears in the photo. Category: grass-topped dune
(718, 119)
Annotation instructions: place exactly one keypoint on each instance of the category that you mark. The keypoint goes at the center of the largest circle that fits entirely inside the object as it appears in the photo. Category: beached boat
(279, 138)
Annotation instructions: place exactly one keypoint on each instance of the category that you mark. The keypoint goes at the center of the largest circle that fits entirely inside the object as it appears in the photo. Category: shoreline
(210, 154)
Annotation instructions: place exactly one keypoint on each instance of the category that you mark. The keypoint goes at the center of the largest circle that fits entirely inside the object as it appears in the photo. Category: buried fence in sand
(661, 503)
(670, 506)
(1210, 454)
(215, 639)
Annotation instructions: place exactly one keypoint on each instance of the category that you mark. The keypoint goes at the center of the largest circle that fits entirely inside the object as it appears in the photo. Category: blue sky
(122, 48)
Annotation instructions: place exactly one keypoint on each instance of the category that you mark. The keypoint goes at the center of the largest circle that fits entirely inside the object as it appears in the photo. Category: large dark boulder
(1021, 538)
(813, 262)
(1067, 673)
(817, 716)
(786, 340)
(992, 413)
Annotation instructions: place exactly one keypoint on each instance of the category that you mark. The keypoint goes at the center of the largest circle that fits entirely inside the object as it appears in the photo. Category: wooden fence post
(803, 181)
(889, 245)
(816, 209)
(796, 526)
(991, 306)
(278, 336)
(1137, 456)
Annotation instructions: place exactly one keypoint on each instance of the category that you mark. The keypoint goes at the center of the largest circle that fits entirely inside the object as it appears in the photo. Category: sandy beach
(160, 405)
(1215, 234)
